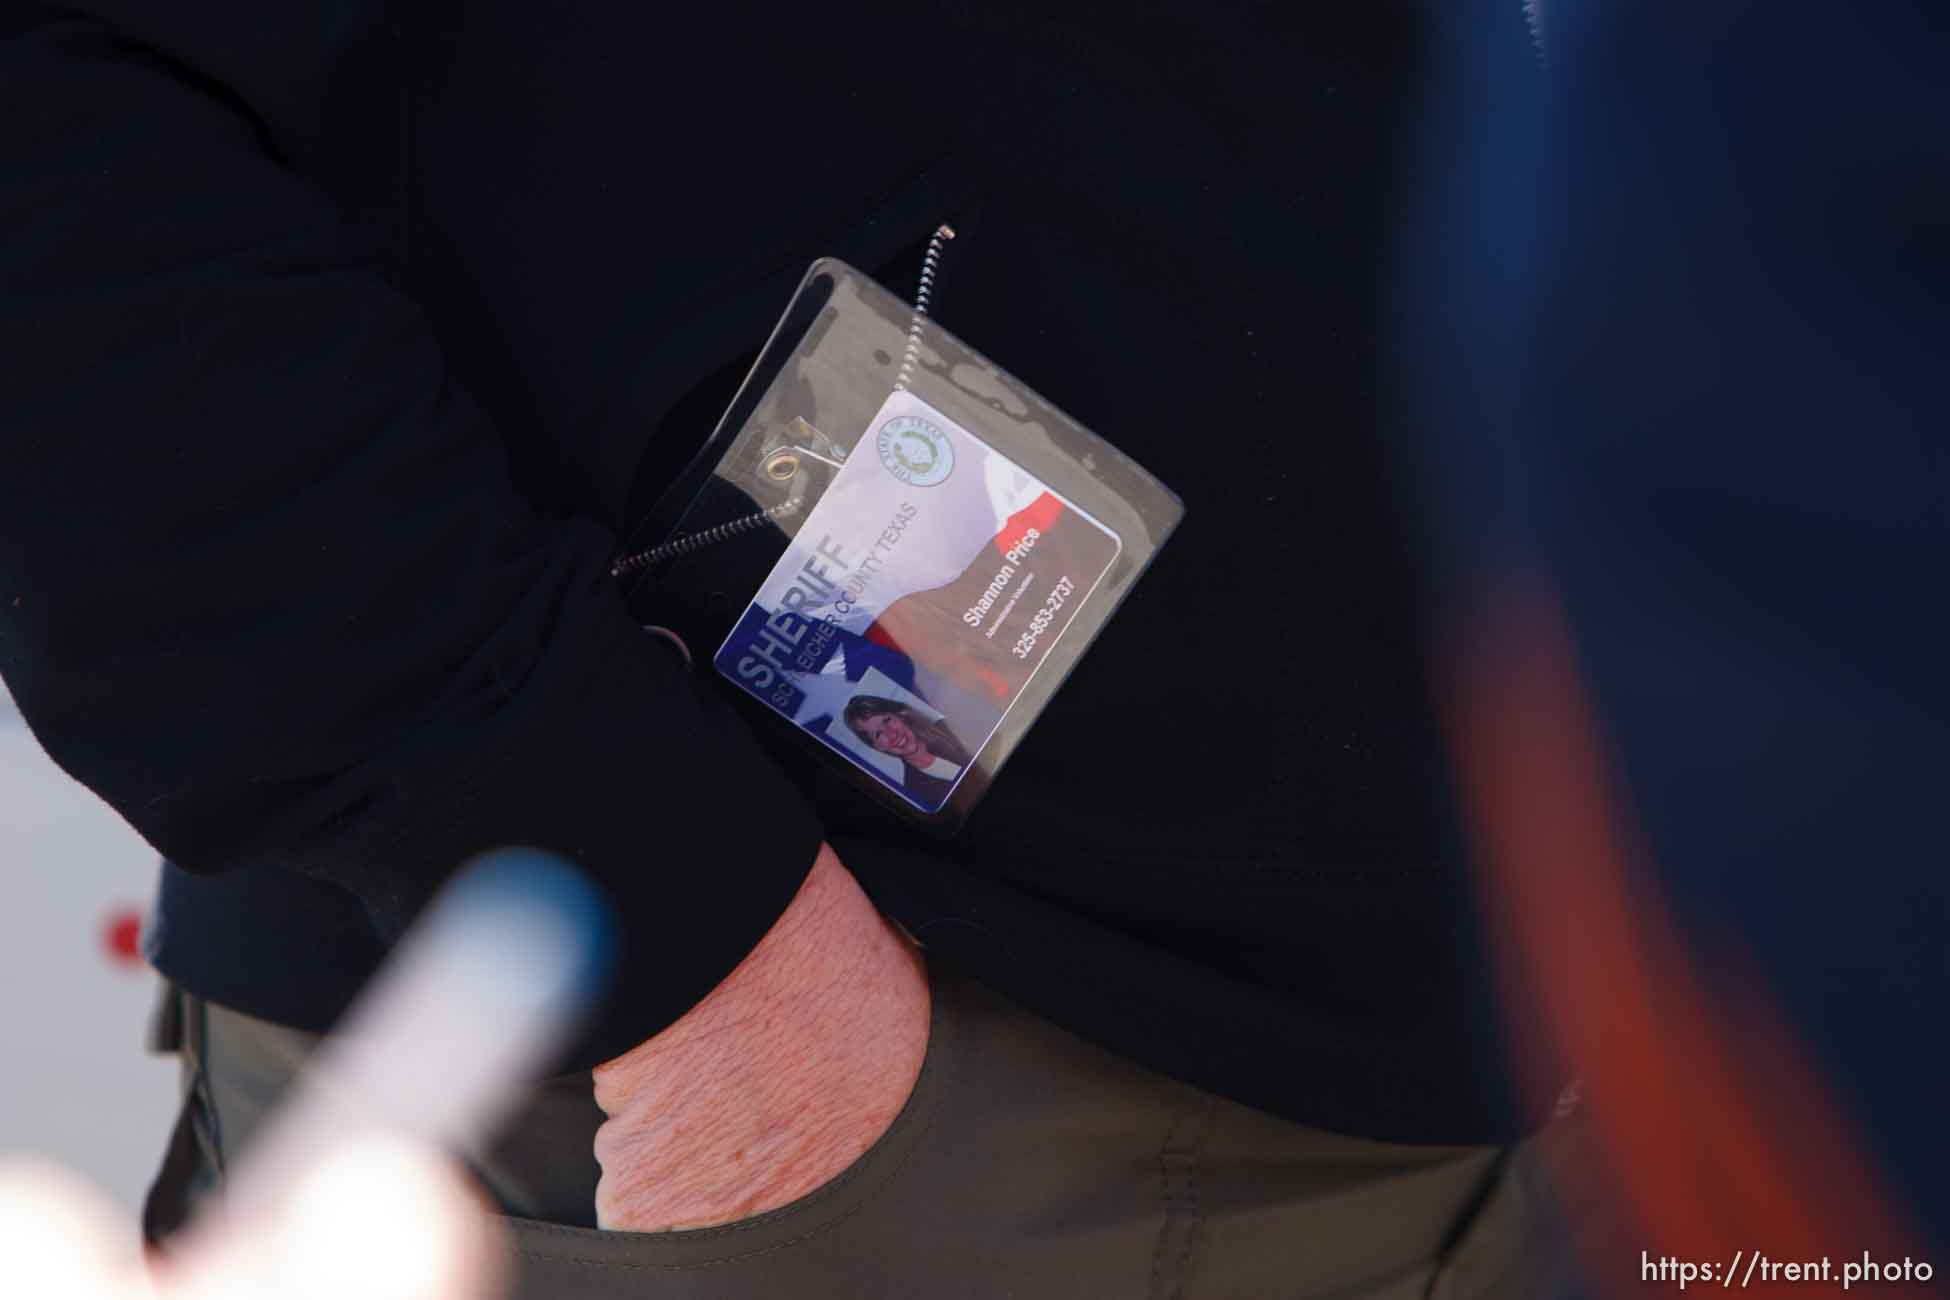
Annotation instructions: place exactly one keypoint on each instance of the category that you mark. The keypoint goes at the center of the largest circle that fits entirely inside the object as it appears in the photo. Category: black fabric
(336, 398)
(273, 591)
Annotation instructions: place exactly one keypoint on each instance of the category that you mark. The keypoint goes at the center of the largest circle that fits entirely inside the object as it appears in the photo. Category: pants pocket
(808, 1247)
(1026, 1163)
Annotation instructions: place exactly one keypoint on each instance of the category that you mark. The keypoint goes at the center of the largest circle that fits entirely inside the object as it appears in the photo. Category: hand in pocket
(778, 1080)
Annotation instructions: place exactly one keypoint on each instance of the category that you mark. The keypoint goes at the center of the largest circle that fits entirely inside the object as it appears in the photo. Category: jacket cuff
(615, 757)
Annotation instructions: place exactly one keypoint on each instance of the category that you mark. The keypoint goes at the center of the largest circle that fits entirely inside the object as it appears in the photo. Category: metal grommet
(675, 640)
(781, 465)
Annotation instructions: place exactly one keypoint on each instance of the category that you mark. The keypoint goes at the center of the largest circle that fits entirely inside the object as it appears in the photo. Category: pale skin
(778, 1080)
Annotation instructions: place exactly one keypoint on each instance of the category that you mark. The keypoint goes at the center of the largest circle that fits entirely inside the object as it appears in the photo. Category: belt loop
(165, 1033)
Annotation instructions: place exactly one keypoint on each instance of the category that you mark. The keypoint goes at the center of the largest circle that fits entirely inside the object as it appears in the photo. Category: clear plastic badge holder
(893, 547)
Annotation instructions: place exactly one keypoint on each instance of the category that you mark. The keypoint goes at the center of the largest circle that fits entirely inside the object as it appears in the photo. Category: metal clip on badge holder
(791, 462)
(787, 463)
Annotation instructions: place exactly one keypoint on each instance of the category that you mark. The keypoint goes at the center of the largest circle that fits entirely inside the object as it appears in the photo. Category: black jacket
(342, 342)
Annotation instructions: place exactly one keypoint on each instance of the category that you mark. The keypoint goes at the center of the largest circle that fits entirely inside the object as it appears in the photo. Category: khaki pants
(1028, 1164)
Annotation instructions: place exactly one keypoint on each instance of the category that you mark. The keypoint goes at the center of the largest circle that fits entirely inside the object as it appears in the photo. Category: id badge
(894, 549)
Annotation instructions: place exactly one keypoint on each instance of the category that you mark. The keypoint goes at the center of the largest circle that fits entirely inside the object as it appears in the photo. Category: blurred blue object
(1672, 338)
(474, 1003)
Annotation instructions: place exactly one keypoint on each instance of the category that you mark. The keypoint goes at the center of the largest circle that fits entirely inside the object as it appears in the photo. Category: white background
(75, 1082)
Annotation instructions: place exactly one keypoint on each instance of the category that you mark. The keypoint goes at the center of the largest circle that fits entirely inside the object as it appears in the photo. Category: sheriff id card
(917, 600)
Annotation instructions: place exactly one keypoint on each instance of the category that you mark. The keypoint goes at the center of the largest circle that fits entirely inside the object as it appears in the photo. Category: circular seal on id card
(915, 451)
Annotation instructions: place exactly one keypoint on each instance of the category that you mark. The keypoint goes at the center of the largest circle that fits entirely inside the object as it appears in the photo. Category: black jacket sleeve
(266, 585)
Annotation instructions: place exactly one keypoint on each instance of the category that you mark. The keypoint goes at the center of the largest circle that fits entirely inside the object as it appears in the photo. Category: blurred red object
(1715, 1131)
(122, 937)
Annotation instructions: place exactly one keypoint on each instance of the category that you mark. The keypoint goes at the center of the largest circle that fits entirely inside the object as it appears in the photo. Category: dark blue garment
(1680, 330)
(227, 930)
